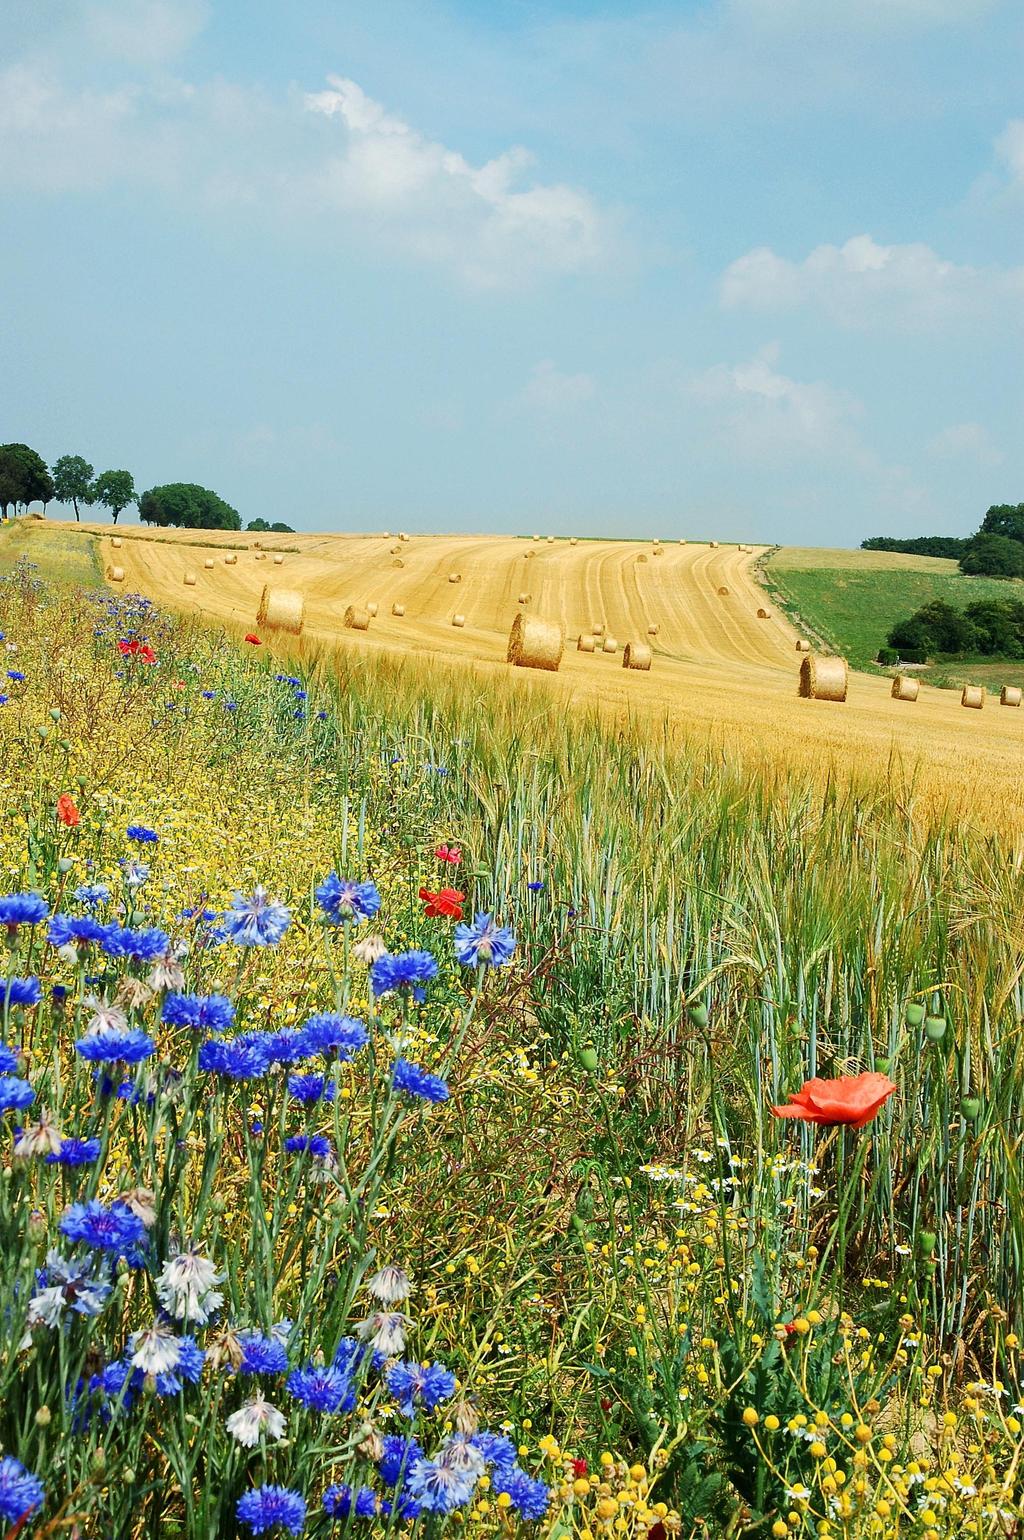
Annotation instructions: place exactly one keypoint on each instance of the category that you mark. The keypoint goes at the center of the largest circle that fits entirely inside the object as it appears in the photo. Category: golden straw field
(718, 670)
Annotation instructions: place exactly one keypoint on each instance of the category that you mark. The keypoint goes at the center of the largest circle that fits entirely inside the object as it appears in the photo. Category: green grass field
(65, 554)
(851, 599)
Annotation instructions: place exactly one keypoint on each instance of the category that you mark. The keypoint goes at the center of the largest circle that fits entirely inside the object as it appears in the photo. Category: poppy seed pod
(698, 1014)
(914, 1014)
(935, 1028)
(970, 1109)
(589, 1059)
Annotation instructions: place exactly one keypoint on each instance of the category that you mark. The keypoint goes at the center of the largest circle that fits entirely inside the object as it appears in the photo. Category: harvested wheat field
(718, 670)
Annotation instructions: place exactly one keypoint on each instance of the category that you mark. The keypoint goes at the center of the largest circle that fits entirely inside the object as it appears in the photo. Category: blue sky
(752, 268)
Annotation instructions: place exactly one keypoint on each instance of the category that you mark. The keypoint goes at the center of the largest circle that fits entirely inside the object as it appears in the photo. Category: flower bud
(698, 1014)
(589, 1059)
(935, 1028)
(915, 1013)
(43, 1417)
(926, 1240)
(65, 864)
(970, 1109)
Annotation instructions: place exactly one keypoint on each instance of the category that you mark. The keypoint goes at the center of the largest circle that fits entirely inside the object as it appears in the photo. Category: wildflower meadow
(418, 1118)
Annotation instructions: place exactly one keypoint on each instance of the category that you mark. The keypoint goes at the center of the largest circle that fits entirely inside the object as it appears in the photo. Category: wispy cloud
(970, 441)
(549, 389)
(760, 411)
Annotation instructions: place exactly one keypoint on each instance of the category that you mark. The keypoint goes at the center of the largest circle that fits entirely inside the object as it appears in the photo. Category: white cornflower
(368, 948)
(106, 1016)
(167, 972)
(253, 1418)
(390, 1285)
(385, 1330)
(42, 1138)
(156, 1350)
(142, 1202)
(187, 1288)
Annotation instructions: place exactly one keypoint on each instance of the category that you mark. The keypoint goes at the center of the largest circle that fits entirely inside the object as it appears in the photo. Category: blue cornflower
(3, 700)
(272, 1507)
(75, 1152)
(15, 1094)
(140, 834)
(321, 716)
(440, 1488)
(209, 694)
(287, 1046)
(420, 1386)
(322, 1388)
(483, 942)
(301, 694)
(342, 900)
(22, 909)
(140, 945)
(239, 1058)
(255, 921)
(92, 894)
(8, 1060)
(16, 675)
(230, 705)
(399, 1457)
(535, 887)
(403, 970)
(21, 1492)
(495, 1448)
(136, 873)
(531, 1499)
(112, 1228)
(115, 1045)
(334, 1036)
(20, 991)
(79, 1284)
(311, 1088)
(262, 1355)
(340, 1501)
(317, 1145)
(415, 1081)
(75, 930)
(210, 1013)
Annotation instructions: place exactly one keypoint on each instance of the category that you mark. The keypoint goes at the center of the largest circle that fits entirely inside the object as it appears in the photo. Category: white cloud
(1010, 149)
(549, 390)
(863, 282)
(761, 412)
(968, 441)
(436, 204)
(144, 32)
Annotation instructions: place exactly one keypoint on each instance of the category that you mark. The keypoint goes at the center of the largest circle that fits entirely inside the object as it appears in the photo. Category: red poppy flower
(449, 853)
(137, 649)
(445, 904)
(579, 1467)
(179, 684)
(67, 812)
(850, 1099)
(251, 637)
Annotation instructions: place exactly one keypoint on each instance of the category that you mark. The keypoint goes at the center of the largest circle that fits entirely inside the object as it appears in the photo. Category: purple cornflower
(333, 1036)
(483, 943)
(343, 900)
(262, 1355)
(272, 1507)
(139, 945)
(8, 1060)
(77, 930)
(255, 921)
(399, 1457)
(531, 1499)
(415, 1081)
(403, 970)
(203, 1013)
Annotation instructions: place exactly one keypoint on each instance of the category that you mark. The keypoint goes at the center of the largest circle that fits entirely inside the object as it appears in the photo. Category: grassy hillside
(63, 553)
(851, 599)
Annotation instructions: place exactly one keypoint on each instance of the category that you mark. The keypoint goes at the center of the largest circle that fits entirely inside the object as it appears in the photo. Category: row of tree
(25, 478)
(989, 627)
(997, 550)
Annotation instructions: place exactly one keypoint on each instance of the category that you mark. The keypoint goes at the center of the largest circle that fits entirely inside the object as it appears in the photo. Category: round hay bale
(395, 550)
(278, 561)
(637, 655)
(723, 592)
(803, 646)
(209, 563)
(973, 697)
(535, 643)
(116, 542)
(231, 559)
(455, 577)
(524, 599)
(653, 630)
(658, 551)
(610, 644)
(260, 556)
(585, 643)
(115, 574)
(551, 540)
(1010, 695)
(905, 688)
(398, 609)
(598, 630)
(398, 562)
(763, 615)
(642, 556)
(372, 608)
(281, 609)
(387, 534)
(458, 620)
(190, 579)
(357, 618)
(536, 537)
(573, 540)
(402, 535)
(823, 678)
(713, 544)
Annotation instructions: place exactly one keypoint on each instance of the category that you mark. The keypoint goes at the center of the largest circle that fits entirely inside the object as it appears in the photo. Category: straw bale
(278, 561)
(357, 618)
(190, 579)
(723, 591)
(524, 599)
(551, 540)
(905, 688)
(642, 556)
(231, 559)
(573, 540)
(535, 643)
(973, 697)
(536, 537)
(610, 644)
(398, 562)
(585, 643)
(599, 629)
(1010, 695)
(763, 615)
(637, 655)
(658, 551)
(823, 678)
(387, 534)
(402, 535)
(372, 608)
(260, 556)
(803, 646)
(458, 620)
(115, 574)
(116, 542)
(653, 630)
(713, 544)
(209, 563)
(398, 609)
(281, 609)
(394, 550)
(455, 577)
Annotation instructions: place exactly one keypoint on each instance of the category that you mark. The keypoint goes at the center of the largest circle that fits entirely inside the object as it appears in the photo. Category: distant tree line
(997, 550)
(25, 478)
(989, 627)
